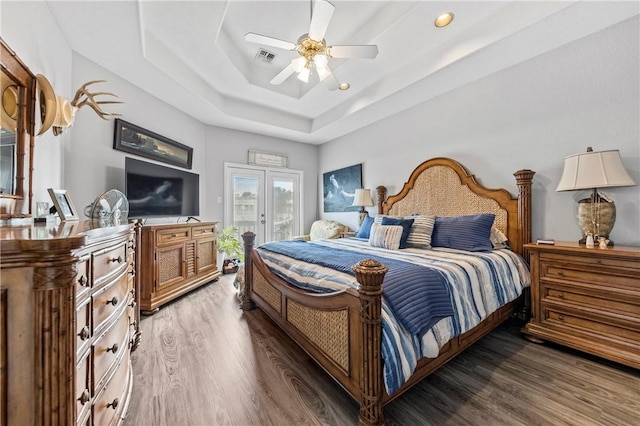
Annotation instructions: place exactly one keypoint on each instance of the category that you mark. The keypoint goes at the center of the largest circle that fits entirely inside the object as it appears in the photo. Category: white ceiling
(192, 54)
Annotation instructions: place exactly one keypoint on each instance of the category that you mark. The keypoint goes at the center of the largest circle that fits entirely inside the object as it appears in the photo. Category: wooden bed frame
(342, 331)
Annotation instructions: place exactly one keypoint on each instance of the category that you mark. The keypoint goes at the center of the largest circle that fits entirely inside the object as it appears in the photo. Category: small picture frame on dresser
(63, 205)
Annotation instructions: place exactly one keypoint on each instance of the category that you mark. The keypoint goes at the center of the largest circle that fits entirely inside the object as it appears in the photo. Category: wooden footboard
(342, 331)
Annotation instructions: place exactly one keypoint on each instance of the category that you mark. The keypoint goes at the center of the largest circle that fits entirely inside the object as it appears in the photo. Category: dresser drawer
(590, 324)
(83, 326)
(205, 231)
(172, 236)
(596, 299)
(83, 387)
(611, 274)
(108, 262)
(109, 301)
(110, 403)
(109, 349)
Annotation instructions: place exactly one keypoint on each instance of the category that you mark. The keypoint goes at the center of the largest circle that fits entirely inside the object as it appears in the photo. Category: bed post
(249, 239)
(382, 195)
(523, 180)
(370, 274)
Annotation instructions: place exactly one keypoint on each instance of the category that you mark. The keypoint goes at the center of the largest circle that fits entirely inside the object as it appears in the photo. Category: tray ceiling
(192, 54)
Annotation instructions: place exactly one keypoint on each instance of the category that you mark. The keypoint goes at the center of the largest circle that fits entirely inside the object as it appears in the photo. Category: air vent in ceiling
(265, 56)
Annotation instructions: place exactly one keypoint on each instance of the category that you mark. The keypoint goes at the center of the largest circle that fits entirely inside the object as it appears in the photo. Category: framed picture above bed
(339, 188)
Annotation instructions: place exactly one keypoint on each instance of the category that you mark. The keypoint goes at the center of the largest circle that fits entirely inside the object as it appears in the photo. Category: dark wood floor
(202, 361)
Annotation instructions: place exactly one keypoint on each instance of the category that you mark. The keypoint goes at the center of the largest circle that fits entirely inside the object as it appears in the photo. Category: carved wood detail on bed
(360, 373)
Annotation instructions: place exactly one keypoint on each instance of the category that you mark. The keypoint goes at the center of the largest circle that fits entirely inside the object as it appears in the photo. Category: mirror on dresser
(17, 92)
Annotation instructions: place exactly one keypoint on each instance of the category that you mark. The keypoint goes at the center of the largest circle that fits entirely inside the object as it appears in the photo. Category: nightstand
(587, 299)
(347, 234)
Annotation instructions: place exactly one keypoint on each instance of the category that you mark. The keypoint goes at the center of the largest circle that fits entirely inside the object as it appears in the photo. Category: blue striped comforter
(478, 284)
(406, 284)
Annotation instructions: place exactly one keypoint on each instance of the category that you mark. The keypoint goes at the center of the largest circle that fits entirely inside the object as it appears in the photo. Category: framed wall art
(269, 159)
(62, 202)
(339, 187)
(145, 143)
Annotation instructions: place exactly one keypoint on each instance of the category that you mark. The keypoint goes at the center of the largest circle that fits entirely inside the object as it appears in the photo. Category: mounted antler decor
(66, 110)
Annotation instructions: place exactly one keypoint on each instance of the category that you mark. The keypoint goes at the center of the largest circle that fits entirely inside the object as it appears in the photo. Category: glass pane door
(285, 205)
(244, 201)
(273, 211)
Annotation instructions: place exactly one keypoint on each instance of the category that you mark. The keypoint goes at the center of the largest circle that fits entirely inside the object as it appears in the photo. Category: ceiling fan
(313, 50)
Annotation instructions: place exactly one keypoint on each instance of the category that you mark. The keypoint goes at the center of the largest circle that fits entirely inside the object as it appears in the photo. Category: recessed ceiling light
(344, 86)
(443, 20)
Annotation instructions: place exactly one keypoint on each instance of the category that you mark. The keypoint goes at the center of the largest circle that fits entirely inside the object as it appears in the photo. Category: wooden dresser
(588, 299)
(69, 310)
(174, 259)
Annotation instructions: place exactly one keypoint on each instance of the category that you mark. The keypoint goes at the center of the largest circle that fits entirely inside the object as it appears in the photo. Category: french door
(265, 201)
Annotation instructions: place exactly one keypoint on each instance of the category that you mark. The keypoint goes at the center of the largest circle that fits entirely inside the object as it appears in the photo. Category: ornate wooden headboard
(443, 187)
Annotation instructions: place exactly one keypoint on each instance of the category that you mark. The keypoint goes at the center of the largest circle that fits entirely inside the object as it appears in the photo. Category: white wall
(82, 160)
(529, 116)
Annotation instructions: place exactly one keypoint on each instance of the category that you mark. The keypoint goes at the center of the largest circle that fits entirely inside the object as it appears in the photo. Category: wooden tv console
(174, 259)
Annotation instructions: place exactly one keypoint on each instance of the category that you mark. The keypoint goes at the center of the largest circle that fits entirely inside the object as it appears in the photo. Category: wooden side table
(587, 299)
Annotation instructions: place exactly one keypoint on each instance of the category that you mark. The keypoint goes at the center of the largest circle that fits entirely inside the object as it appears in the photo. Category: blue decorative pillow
(365, 228)
(406, 228)
(471, 233)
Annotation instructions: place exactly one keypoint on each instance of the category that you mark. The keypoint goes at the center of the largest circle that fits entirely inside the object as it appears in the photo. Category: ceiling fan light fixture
(322, 67)
(299, 64)
(303, 75)
(444, 20)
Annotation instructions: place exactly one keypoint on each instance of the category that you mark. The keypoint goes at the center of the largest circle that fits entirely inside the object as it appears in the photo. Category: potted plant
(231, 249)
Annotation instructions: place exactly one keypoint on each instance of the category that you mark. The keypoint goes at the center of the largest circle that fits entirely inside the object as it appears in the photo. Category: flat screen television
(160, 191)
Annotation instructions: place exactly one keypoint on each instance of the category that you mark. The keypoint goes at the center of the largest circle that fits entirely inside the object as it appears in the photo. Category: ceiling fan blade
(369, 51)
(283, 75)
(269, 41)
(322, 13)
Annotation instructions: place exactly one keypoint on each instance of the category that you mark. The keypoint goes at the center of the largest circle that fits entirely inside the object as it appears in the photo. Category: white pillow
(385, 236)
(498, 239)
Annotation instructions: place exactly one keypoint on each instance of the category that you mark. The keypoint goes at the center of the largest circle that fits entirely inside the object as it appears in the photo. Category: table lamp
(593, 170)
(362, 199)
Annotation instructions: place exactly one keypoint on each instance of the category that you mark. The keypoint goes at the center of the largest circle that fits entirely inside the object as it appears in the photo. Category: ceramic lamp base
(596, 218)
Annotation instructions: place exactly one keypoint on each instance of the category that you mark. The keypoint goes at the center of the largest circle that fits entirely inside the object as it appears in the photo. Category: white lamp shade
(362, 198)
(590, 170)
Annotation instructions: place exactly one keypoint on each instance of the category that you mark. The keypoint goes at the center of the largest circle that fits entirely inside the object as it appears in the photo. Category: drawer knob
(83, 280)
(113, 348)
(132, 304)
(560, 317)
(84, 333)
(561, 296)
(84, 398)
(561, 273)
(113, 404)
(116, 259)
(174, 235)
(132, 272)
(113, 301)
